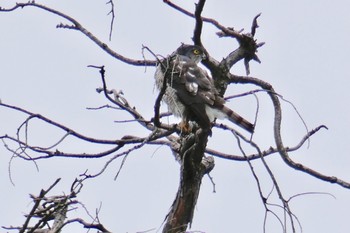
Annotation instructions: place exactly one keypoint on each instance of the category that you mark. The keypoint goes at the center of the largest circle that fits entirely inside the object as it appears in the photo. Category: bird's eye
(196, 52)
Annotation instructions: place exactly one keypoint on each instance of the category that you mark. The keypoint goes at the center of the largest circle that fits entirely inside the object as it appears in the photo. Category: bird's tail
(238, 120)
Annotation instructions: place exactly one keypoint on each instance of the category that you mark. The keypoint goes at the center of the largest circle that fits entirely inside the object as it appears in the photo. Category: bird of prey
(190, 92)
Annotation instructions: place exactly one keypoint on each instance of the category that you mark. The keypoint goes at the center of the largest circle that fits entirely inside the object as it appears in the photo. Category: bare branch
(205, 19)
(122, 103)
(56, 153)
(70, 131)
(264, 153)
(104, 106)
(262, 197)
(97, 226)
(77, 26)
(277, 131)
(253, 92)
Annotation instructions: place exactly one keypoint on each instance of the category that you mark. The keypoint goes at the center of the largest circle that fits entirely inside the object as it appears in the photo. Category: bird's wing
(194, 89)
(198, 83)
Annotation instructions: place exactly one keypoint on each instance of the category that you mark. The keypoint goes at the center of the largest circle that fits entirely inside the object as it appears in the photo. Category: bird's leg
(185, 127)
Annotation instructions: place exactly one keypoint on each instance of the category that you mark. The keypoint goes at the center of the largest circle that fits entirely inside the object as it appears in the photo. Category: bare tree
(190, 150)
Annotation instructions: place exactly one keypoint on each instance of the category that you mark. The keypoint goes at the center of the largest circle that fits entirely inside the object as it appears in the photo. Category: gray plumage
(190, 92)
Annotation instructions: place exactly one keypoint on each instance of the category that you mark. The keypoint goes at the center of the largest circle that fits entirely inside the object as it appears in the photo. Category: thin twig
(111, 12)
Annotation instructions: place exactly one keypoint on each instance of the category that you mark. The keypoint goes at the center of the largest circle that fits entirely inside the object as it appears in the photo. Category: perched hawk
(190, 92)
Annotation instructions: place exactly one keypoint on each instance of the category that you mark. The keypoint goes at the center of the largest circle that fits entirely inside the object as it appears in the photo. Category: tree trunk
(192, 171)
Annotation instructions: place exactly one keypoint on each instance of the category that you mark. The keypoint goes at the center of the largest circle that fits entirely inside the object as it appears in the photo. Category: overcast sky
(305, 58)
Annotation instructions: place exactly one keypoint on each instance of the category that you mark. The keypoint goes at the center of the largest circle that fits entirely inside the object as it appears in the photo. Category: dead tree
(194, 157)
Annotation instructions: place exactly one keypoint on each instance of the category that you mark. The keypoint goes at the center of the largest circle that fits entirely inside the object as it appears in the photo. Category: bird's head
(191, 52)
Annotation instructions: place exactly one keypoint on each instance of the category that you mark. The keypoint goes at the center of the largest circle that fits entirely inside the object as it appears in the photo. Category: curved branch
(51, 153)
(119, 144)
(77, 26)
(277, 131)
(264, 153)
(95, 226)
(69, 131)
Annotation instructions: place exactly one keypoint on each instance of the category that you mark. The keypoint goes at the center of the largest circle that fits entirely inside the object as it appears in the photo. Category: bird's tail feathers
(238, 120)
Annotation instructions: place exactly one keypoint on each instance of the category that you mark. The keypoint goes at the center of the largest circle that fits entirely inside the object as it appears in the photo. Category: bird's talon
(185, 127)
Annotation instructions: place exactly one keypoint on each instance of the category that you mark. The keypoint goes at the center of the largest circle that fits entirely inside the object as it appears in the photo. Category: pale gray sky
(305, 58)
